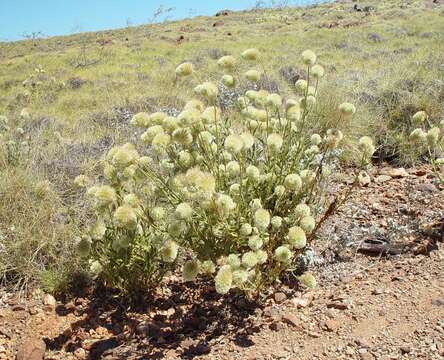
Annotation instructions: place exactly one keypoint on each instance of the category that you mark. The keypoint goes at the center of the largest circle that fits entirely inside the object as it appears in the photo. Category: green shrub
(41, 87)
(14, 142)
(394, 97)
(237, 194)
(429, 139)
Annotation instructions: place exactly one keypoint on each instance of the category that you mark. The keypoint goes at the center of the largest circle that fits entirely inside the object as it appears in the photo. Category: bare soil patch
(379, 263)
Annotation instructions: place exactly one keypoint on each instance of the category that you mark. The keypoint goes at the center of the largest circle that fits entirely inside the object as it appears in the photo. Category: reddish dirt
(371, 305)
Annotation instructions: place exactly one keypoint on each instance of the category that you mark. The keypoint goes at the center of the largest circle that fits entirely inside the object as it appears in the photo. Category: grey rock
(31, 349)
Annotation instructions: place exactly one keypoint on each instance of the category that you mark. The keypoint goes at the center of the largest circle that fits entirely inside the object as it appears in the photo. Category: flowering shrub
(14, 144)
(40, 85)
(430, 139)
(237, 194)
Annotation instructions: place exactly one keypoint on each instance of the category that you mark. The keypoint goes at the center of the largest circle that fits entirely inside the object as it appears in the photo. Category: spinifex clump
(236, 193)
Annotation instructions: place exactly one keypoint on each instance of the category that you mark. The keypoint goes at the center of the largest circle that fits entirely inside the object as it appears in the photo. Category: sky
(61, 17)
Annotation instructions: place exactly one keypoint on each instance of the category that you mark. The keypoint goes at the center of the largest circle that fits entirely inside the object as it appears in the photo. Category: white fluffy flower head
(253, 75)
(250, 54)
(261, 219)
(274, 142)
(184, 211)
(234, 143)
(224, 279)
(309, 57)
(190, 270)
(283, 254)
(184, 69)
(296, 237)
(227, 62)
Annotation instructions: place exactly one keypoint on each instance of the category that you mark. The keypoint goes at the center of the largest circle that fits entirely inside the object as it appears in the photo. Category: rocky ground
(380, 296)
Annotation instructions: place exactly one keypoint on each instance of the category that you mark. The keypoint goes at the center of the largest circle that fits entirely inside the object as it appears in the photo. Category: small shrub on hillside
(429, 139)
(235, 194)
(402, 94)
(14, 142)
(41, 86)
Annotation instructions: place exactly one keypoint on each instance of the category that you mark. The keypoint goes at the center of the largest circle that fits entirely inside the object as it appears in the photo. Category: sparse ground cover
(385, 306)
(81, 91)
(68, 100)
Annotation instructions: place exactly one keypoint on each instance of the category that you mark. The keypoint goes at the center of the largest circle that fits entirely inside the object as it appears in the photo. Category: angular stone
(331, 325)
(383, 178)
(31, 349)
(6, 333)
(301, 302)
(19, 307)
(270, 312)
(314, 334)
(349, 351)
(365, 180)
(362, 343)
(427, 187)
(367, 356)
(339, 305)
(405, 349)
(377, 292)
(280, 297)
(291, 319)
(49, 300)
(394, 172)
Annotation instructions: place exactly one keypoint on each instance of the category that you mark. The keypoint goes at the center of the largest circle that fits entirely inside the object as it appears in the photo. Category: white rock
(49, 300)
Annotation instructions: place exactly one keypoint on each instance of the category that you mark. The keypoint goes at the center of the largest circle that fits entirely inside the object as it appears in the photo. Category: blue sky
(60, 17)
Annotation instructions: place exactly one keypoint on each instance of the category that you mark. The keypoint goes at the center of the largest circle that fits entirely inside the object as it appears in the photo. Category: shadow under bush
(169, 320)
